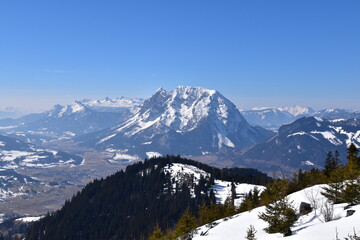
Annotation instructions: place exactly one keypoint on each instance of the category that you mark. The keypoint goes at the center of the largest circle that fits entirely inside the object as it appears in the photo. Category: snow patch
(153, 154)
(29, 219)
(106, 138)
(330, 137)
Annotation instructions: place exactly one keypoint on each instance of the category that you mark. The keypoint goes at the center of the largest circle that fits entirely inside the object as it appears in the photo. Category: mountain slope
(274, 117)
(309, 227)
(305, 143)
(72, 120)
(187, 120)
(9, 112)
(127, 205)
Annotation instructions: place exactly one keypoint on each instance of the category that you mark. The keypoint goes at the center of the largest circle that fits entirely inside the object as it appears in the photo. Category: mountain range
(305, 143)
(275, 117)
(186, 120)
(65, 122)
(10, 112)
(190, 121)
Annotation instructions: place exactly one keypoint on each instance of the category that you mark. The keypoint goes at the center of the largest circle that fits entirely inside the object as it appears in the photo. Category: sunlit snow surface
(308, 227)
(184, 110)
(37, 158)
(333, 133)
(28, 219)
(222, 189)
(121, 155)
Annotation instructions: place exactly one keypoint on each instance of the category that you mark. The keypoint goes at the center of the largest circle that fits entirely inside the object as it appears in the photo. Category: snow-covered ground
(28, 219)
(308, 227)
(222, 189)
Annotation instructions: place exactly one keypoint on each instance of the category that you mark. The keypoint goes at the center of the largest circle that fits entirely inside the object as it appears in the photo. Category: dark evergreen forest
(131, 203)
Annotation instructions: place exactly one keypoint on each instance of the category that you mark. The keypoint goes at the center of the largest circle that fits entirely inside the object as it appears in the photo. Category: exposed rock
(305, 208)
(350, 212)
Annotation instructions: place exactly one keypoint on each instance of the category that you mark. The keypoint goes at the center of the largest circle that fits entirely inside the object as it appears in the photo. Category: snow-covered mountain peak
(77, 107)
(187, 90)
(171, 121)
(107, 103)
(299, 110)
(102, 105)
(183, 108)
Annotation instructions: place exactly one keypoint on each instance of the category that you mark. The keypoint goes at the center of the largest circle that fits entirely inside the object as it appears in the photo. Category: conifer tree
(336, 162)
(250, 233)
(280, 216)
(233, 193)
(246, 203)
(351, 192)
(329, 164)
(251, 200)
(185, 224)
(157, 234)
(274, 191)
(333, 192)
(352, 156)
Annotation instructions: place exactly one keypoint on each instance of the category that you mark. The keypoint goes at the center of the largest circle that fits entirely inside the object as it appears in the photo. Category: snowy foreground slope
(308, 227)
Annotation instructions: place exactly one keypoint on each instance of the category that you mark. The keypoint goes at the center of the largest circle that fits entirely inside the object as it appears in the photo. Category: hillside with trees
(132, 203)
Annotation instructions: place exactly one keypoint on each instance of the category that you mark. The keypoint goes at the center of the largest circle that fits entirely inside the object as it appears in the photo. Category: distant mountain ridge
(305, 143)
(10, 112)
(71, 120)
(275, 117)
(186, 120)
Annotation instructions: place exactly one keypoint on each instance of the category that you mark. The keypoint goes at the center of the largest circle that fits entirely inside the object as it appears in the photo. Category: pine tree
(280, 215)
(274, 191)
(351, 192)
(250, 233)
(185, 224)
(250, 201)
(233, 193)
(329, 164)
(352, 156)
(336, 161)
(333, 192)
(157, 234)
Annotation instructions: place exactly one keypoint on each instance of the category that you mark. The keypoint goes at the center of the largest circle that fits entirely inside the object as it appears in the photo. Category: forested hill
(130, 203)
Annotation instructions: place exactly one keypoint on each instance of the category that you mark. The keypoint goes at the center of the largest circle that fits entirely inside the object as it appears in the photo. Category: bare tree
(327, 211)
(312, 196)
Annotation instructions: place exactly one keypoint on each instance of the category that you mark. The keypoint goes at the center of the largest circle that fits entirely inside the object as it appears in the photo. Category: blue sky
(255, 52)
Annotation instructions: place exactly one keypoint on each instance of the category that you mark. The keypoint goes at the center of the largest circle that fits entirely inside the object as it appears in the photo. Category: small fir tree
(233, 193)
(333, 192)
(157, 234)
(351, 192)
(328, 168)
(280, 216)
(250, 233)
(352, 157)
(185, 224)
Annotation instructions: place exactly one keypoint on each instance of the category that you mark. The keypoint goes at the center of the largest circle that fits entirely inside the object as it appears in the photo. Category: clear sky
(255, 52)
